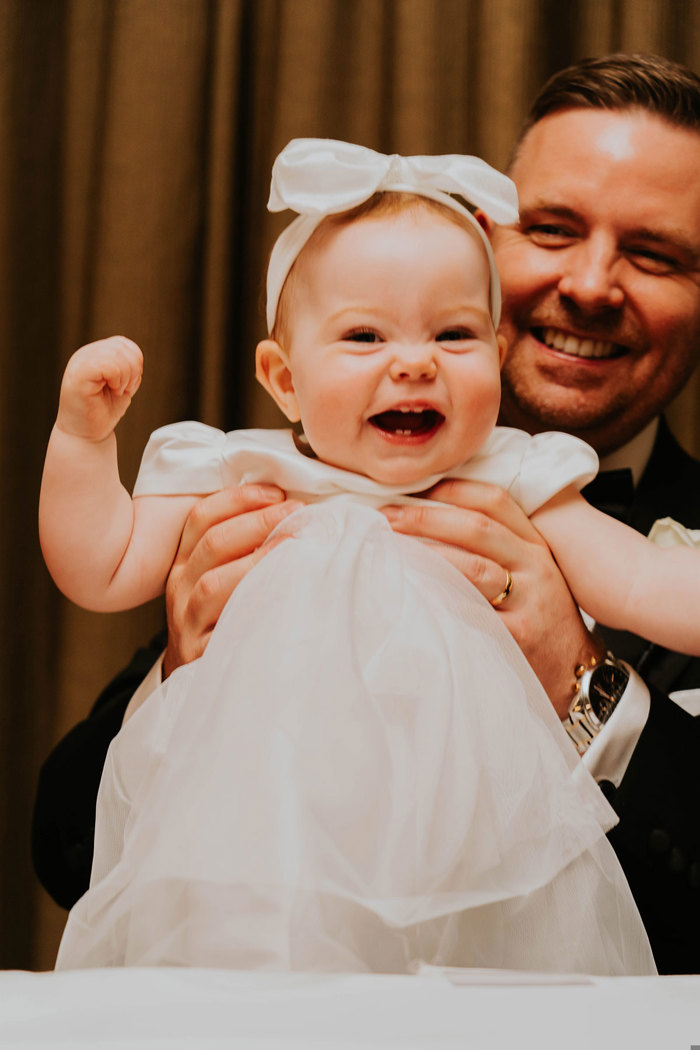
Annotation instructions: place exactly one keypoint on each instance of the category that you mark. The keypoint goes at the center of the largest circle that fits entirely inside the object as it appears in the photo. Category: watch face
(606, 686)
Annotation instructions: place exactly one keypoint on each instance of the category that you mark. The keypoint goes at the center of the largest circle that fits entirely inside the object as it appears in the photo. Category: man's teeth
(571, 344)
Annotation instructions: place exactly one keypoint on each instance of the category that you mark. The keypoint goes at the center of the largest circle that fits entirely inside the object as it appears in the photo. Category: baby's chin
(406, 469)
(403, 472)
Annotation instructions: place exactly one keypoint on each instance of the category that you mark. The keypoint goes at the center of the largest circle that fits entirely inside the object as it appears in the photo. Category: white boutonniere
(665, 532)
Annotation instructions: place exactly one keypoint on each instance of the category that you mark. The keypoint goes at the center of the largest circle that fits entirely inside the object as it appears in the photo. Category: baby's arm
(622, 579)
(104, 550)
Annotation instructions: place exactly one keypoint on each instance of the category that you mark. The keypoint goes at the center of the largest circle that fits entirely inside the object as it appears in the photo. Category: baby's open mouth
(408, 422)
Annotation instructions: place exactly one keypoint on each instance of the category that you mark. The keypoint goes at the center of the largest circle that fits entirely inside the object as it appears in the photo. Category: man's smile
(577, 346)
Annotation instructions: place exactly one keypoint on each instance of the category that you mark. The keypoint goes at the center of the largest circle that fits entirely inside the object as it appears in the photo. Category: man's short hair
(621, 82)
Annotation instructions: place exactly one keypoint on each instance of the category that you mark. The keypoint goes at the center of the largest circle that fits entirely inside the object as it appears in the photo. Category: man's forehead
(577, 159)
(616, 135)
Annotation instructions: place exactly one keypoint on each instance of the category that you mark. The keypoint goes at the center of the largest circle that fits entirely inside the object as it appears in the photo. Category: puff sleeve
(551, 462)
(532, 469)
(182, 459)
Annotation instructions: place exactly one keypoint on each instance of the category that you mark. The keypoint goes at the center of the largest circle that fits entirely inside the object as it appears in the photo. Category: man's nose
(590, 276)
(414, 362)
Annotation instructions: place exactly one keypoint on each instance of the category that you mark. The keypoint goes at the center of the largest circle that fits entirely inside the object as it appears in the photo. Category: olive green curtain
(137, 142)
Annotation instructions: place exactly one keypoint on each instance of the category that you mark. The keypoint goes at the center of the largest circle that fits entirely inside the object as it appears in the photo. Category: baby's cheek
(479, 411)
(325, 425)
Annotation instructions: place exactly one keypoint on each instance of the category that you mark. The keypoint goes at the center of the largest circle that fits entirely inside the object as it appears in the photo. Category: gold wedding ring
(508, 587)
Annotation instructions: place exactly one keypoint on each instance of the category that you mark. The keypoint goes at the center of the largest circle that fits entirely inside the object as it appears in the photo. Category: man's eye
(549, 234)
(652, 261)
(362, 335)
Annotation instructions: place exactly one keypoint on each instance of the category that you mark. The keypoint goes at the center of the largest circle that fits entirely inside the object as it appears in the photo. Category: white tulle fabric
(361, 773)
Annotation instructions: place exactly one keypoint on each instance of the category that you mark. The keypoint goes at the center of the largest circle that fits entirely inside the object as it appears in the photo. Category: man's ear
(502, 348)
(487, 224)
(273, 372)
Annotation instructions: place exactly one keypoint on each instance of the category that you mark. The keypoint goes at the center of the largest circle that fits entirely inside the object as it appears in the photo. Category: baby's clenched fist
(98, 384)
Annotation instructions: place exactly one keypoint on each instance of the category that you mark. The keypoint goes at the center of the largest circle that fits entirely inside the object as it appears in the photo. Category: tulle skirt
(362, 773)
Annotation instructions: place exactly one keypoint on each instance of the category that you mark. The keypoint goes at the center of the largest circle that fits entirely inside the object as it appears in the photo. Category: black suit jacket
(658, 801)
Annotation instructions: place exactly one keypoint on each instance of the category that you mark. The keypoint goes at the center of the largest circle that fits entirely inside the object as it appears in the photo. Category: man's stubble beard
(524, 407)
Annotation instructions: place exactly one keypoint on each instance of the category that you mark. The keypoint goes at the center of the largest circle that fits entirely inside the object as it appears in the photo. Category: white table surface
(178, 1008)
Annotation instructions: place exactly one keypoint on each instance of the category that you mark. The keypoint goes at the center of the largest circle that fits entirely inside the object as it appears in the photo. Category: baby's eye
(452, 335)
(362, 335)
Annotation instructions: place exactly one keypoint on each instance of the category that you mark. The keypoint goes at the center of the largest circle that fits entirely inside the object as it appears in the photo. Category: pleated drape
(137, 141)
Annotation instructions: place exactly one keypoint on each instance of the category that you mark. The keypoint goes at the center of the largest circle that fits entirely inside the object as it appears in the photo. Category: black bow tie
(611, 491)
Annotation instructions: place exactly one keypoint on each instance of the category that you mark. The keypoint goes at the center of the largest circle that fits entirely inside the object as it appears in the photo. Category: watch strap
(582, 723)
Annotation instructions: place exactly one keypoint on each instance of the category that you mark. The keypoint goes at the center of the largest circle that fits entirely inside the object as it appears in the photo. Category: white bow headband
(320, 177)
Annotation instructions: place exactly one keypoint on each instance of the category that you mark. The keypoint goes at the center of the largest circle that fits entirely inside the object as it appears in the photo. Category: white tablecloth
(178, 1008)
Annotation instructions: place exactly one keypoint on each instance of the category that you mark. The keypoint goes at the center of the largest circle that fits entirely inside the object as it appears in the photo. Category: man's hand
(224, 536)
(483, 533)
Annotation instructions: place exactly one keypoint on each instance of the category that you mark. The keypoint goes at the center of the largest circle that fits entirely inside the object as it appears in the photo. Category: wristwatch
(598, 689)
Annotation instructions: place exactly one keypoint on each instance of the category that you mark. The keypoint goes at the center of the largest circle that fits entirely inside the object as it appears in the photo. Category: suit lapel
(669, 487)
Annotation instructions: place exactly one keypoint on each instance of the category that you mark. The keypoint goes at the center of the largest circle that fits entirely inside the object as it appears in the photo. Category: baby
(361, 772)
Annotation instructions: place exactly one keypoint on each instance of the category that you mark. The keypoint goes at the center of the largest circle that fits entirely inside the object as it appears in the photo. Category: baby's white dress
(362, 772)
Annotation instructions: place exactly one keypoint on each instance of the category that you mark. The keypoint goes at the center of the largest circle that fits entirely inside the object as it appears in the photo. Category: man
(601, 281)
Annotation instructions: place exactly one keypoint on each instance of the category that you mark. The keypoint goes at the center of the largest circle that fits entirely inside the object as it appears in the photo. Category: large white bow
(319, 177)
(324, 176)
